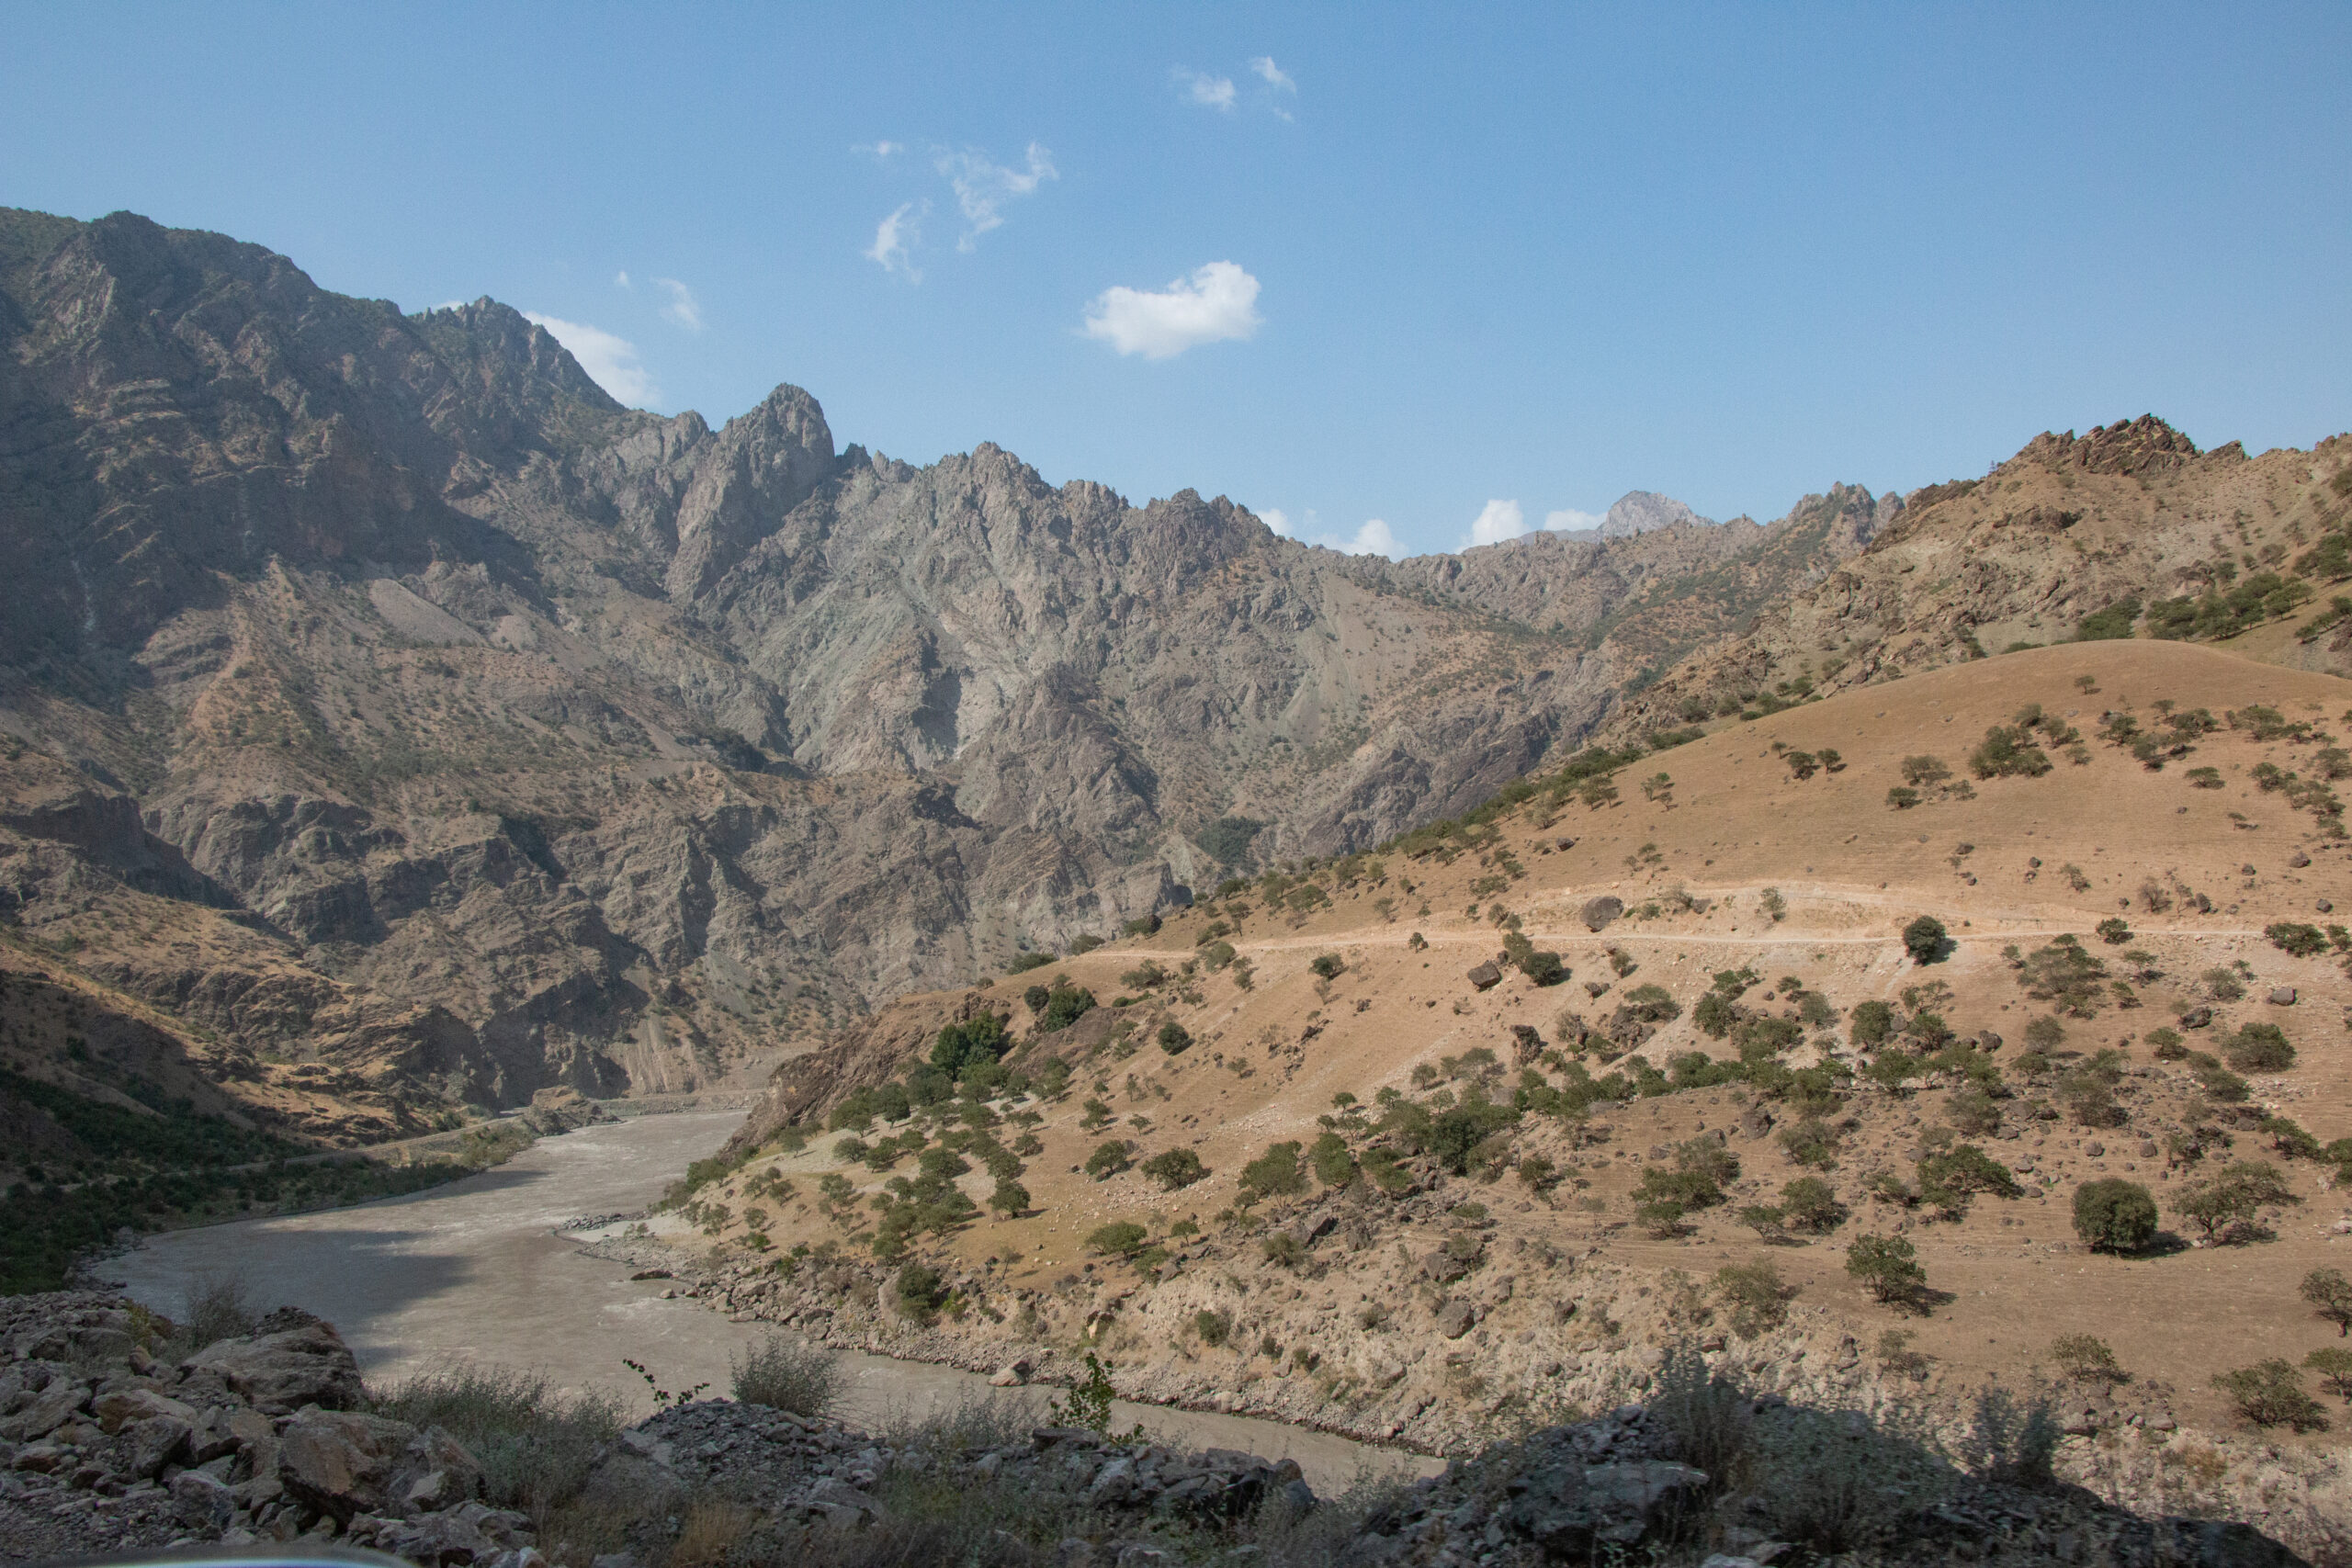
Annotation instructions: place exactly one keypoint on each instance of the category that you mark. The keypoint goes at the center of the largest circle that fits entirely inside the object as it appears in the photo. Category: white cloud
(451, 305)
(1497, 521)
(1276, 520)
(1273, 75)
(880, 150)
(1372, 539)
(894, 238)
(1570, 520)
(683, 309)
(1219, 301)
(1206, 91)
(620, 279)
(610, 361)
(982, 187)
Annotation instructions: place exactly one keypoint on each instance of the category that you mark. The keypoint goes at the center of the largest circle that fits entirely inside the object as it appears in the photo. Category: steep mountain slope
(2127, 530)
(1488, 1212)
(494, 737)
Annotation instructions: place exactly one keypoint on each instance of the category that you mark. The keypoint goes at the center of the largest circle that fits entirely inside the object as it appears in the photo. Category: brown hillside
(2197, 873)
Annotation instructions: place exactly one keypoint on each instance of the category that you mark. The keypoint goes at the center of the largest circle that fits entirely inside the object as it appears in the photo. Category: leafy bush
(1109, 1159)
(1121, 1238)
(1274, 1173)
(1924, 940)
(2329, 1294)
(2114, 1216)
(1949, 1177)
(1871, 1023)
(2259, 1048)
(1023, 963)
(536, 1445)
(2110, 622)
(2008, 751)
(1652, 1004)
(2270, 1393)
(1065, 1004)
(920, 1290)
(2086, 1358)
(2294, 938)
(2224, 1205)
(1757, 1296)
(786, 1373)
(1334, 1165)
(1889, 1267)
(1213, 1328)
(1009, 1197)
(1173, 1037)
(1811, 1205)
(1282, 1249)
(1175, 1168)
(2114, 933)
(1329, 966)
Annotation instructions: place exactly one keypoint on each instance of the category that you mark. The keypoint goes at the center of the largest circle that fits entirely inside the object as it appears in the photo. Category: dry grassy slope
(1268, 1060)
(2062, 529)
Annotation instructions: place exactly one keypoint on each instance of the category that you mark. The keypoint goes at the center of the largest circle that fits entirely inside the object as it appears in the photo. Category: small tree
(2333, 1365)
(1274, 1173)
(1173, 1039)
(1329, 966)
(1924, 940)
(1109, 1159)
(2270, 1393)
(2329, 1294)
(2225, 1204)
(2114, 933)
(1811, 1205)
(1175, 1168)
(2114, 1216)
(1756, 1295)
(1334, 1165)
(1010, 1198)
(1123, 1238)
(1889, 1265)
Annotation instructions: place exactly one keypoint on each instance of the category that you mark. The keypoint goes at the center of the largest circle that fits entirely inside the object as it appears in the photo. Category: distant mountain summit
(1644, 511)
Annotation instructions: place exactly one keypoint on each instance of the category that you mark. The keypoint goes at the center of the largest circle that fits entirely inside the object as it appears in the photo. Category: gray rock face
(282, 1369)
(1643, 511)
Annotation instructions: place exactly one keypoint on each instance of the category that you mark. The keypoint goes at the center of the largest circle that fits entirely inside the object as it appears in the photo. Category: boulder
(2197, 1018)
(342, 1462)
(1486, 976)
(1598, 913)
(2282, 995)
(1578, 1511)
(1456, 1318)
(155, 1442)
(294, 1360)
(202, 1501)
(59, 1403)
(125, 1406)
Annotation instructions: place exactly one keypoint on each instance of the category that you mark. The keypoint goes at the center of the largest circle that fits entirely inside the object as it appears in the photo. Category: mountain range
(390, 708)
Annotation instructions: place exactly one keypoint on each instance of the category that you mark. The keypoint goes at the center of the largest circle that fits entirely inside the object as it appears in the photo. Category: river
(474, 1271)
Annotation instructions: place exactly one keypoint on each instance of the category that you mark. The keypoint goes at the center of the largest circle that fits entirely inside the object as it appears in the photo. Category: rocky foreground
(271, 1435)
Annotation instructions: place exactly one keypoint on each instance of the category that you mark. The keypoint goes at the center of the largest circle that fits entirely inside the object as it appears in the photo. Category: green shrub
(1334, 1165)
(1756, 1295)
(920, 1290)
(2294, 938)
(2086, 1358)
(1024, 963)
(1811, 1205)
(1175, 1168)
(1329, 966)
(1889, 1267)
(2110, 622)
(1652, 1004)
(2114, 1216)
(1871, 1023)
(1109, 1159)
(1065, 1006)
(2270, 1393)
(1274, 1173)
(1173, 1038)
(2008, 752)
(536, 1445)
(786, 1373)
(1009, 1197)
(962, 1045)
(2329, 1294)
(1121, 1238)
(2226, 1205)
(1213, 1328)
(1925, 939)
(2113, 932)
(1282, 1249)
(2333, 1365)
(2259, 1048)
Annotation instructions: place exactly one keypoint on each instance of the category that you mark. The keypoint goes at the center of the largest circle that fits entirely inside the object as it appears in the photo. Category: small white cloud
(982, 187)
(1372, 539)
(1570, 520)
(1206, 91)
(1219, 301)
(1276, 520)
(1497, 521)
(450, 305)
(894, 238)
(683, 309)
(880, 150)
(610, 361)
(1273, 75)
(620, 279)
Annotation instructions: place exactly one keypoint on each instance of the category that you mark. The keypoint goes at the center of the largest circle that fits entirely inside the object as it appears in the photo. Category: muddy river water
(474, 1271)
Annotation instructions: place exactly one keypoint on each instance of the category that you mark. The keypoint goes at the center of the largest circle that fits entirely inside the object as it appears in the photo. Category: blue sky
(1419, 265)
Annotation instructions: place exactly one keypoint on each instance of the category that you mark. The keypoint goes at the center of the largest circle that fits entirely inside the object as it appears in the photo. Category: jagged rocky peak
(1644, 511)
(2145, 444)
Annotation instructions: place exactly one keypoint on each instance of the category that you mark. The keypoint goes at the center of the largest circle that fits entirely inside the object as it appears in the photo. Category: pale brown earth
(1852, 870)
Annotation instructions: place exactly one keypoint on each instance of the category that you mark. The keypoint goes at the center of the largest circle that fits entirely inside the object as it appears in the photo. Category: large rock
(295, 1359)
(342, 1462)
(1578, 1511)
(1598, 913)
